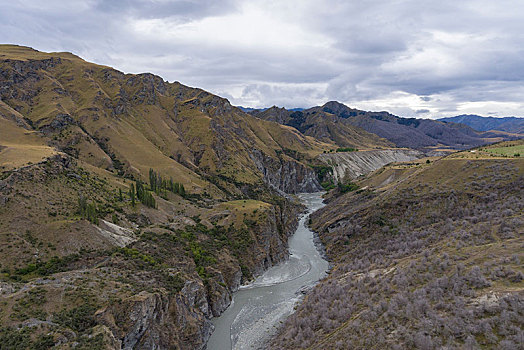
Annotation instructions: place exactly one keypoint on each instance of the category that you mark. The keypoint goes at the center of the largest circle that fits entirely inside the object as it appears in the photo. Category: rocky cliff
(350, 165)
(286, 174)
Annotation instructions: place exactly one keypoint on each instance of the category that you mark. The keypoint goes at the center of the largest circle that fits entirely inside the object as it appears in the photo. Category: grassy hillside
(506, 149)
(19, 144)
(129, 123)
(425, 255)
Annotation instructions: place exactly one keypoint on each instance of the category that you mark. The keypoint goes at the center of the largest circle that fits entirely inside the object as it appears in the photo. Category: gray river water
(258, 309)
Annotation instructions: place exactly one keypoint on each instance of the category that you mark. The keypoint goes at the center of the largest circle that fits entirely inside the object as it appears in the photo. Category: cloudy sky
(413, 58)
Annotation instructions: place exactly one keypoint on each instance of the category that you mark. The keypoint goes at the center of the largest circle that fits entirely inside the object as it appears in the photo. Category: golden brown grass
(20, 146)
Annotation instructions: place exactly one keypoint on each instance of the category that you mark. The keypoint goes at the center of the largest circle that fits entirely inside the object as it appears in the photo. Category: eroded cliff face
(286, 174)
(350, 165)
(272, 236)
(160, 320)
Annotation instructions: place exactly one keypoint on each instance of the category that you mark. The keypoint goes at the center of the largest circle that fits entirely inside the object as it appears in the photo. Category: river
(258, 309)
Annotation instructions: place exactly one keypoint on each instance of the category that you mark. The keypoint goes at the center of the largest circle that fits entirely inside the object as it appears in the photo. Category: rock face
(272, 237)
(351, 165)
(286, 175)
(118, 235)
(158, 320)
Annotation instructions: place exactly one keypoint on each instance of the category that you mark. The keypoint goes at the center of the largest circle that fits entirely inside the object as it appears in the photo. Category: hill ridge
(395, 131)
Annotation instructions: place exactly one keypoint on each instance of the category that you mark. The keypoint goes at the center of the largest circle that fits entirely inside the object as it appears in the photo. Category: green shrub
(79, 319)
(348, 187)
(346, 149)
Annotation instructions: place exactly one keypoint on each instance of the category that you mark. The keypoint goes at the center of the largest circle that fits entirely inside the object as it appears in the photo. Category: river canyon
(258, 308)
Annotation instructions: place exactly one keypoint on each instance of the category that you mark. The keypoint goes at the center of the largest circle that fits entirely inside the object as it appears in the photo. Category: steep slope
(425, 256)
(477, 122)
(129, 123)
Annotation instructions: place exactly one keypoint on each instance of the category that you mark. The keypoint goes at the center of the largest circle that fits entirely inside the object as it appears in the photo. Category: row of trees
(144, 196)
(87, 210)
(138, 191)
(160, 185)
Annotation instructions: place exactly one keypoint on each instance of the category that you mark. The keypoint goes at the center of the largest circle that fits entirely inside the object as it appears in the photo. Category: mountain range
(507, 124)
(343, 125)
(132, 182)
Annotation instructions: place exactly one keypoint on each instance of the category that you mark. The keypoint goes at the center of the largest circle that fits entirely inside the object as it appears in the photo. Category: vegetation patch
(346, 149)
(45, 268)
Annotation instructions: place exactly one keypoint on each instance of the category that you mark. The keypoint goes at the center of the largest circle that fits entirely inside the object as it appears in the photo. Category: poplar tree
(132, 194)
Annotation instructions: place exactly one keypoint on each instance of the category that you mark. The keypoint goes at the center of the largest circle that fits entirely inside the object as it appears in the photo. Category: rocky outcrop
(219, 295)
(272, 236)
(270, 247)
(159, 320)
(119, 236)
(350, 165)
(285, 175)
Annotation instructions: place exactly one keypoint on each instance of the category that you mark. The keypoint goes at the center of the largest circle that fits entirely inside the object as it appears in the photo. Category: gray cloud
(440, 57)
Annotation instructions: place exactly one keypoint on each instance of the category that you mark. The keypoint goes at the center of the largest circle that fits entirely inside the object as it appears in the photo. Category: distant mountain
(324, 126)
(341, 124)
(249, 109)
(477, 122)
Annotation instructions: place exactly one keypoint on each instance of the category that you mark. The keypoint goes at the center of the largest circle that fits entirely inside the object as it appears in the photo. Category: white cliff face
(351, 165)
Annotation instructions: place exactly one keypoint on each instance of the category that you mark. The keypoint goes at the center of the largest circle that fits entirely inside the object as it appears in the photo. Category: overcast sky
(412, 58)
